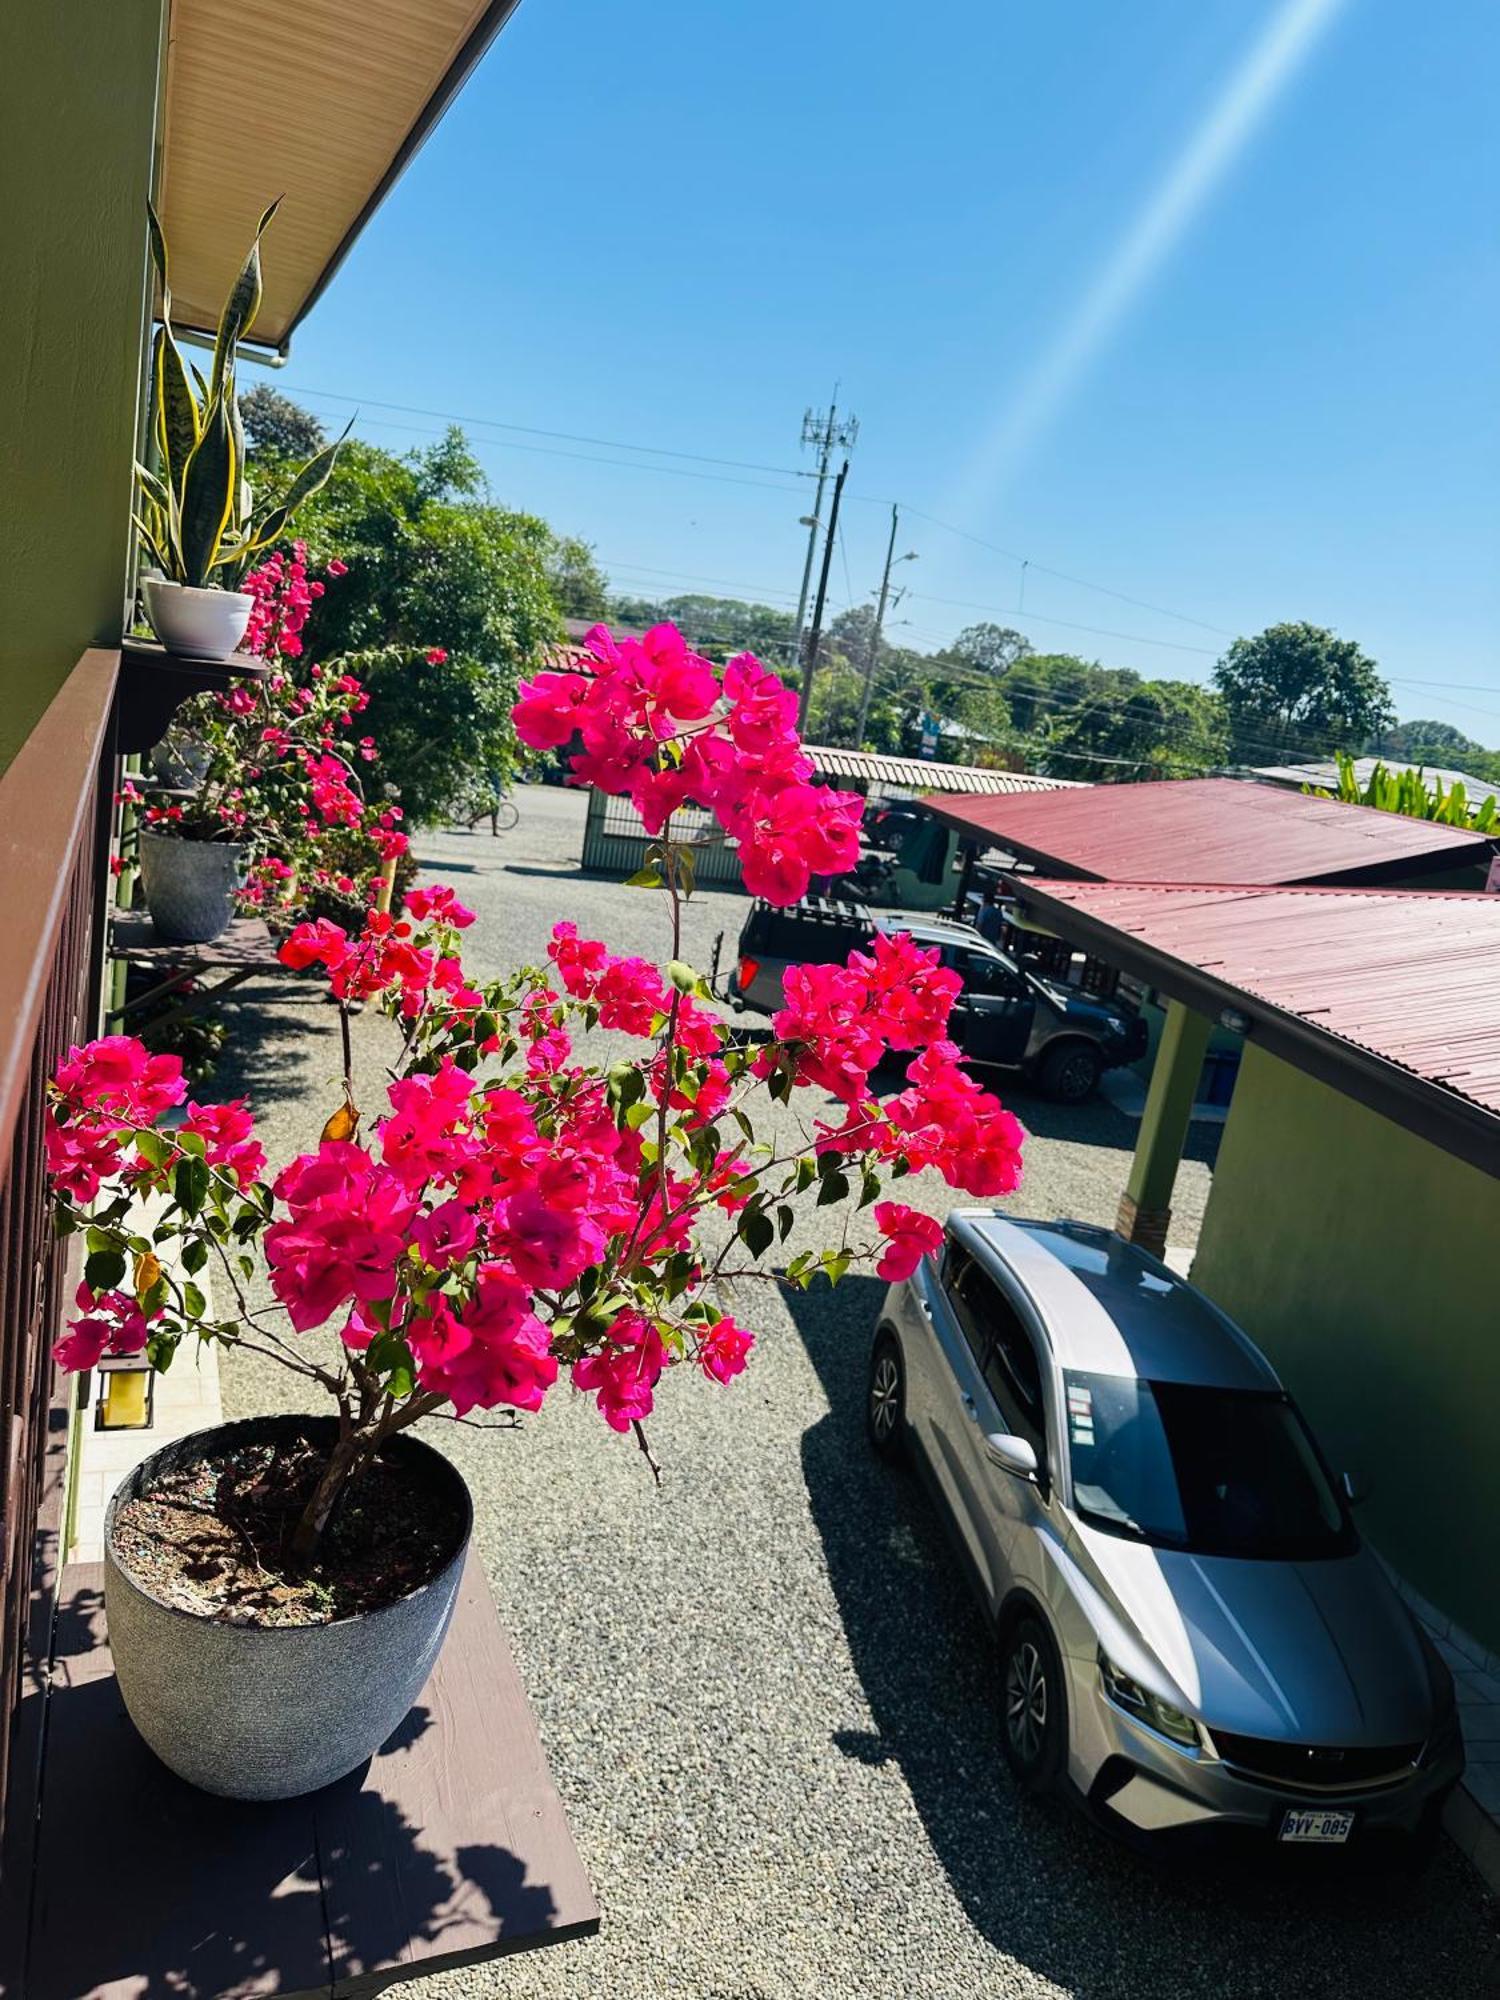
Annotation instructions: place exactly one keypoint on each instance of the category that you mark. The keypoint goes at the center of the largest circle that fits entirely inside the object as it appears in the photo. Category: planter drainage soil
(211, 1536)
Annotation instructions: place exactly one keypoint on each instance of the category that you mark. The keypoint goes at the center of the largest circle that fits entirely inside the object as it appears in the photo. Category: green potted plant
(201, 525)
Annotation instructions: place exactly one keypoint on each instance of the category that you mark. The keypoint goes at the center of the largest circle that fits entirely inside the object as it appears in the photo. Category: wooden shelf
(448, 1848)
(154, 684)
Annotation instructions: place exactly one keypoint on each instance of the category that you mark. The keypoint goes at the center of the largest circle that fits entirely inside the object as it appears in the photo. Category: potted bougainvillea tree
(515, 1216)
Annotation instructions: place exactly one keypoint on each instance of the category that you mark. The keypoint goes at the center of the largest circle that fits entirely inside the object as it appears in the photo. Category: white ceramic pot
(190, 885)
(200, 624)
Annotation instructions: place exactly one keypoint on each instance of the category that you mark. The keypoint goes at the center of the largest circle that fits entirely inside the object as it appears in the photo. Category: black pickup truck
(1007, 1016)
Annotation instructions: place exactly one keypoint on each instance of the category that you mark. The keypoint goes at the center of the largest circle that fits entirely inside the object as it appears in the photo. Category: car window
(1014, 1376)
(1001, 1345)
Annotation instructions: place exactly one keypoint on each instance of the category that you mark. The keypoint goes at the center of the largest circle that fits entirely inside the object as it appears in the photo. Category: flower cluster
(656, 723)
(518, 1215)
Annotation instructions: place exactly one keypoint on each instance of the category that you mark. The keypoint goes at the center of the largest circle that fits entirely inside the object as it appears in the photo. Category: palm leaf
(242, 304)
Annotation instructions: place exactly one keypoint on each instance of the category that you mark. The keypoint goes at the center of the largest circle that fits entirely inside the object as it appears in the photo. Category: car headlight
(1173, 1723)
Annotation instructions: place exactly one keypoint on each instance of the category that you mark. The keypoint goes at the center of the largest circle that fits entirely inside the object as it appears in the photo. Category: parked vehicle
(1191, 1634)
(1006, 1016)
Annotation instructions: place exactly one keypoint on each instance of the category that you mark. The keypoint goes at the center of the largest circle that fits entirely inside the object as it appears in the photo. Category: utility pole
(816, 633)
(874, 656)
(825, 432)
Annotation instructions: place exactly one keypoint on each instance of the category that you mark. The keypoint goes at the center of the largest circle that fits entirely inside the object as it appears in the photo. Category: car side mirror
(1356, 1487)
(1011, 1454)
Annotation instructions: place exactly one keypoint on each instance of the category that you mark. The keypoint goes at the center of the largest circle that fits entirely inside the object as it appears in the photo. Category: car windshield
(1222, 1472)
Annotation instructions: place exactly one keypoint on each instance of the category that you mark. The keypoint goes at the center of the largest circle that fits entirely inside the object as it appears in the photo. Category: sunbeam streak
(1231, 122)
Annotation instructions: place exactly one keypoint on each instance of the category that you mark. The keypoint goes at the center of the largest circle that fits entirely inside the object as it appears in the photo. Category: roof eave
(1444, 1117)
(457, 74)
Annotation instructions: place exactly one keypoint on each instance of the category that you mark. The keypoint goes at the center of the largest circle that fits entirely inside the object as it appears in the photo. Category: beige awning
(323, 101)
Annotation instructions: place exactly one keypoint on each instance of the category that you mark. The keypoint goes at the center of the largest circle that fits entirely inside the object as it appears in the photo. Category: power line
(567, 437)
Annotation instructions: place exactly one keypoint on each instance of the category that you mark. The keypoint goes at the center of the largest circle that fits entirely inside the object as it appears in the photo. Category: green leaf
(869, 1186)
(626, 1085)
(310, 480)
(190, 1185)
(682, 976)
(194, 1254)
(807, 1172)
(756, 1231)
(639, 1115)
(103, 1270)
(835, 1188)
(176, 420)
(242, 305)
(786, 1219)
(208, 489)
(835, 1263)
(193, 1302)
(648, 877)
(155, 1147)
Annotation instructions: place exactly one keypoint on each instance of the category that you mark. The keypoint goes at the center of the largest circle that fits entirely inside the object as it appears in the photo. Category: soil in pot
(212, 1537)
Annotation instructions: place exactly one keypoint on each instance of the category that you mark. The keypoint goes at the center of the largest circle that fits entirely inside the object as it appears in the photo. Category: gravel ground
(763, 1690)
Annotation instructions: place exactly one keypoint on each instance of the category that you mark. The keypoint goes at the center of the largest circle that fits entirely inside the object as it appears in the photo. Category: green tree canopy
(991, 649)
(274, 423)
(577, 582)
(1298, 690)
(434, 565)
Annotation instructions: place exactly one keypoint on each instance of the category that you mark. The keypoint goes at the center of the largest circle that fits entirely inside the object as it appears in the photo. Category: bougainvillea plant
(517, 1212)
(281, 767)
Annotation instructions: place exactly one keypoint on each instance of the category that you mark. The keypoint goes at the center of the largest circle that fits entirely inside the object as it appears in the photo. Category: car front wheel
(1070, 1073)
(1034, 1707)
(885, 1399)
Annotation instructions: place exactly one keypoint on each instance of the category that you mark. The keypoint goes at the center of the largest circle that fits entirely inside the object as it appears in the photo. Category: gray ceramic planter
(270, 1713)
(190, 885)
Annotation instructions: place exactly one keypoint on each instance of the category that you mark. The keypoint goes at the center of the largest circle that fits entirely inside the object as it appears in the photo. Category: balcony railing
(55, 806)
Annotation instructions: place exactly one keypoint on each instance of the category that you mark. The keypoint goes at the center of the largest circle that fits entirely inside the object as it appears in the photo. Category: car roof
(1110, 1308)
(933, 930)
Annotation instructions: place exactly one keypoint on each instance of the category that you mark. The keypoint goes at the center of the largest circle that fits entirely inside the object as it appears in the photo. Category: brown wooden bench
(448, 1848)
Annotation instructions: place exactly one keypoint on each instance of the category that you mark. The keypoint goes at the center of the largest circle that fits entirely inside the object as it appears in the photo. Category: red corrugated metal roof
(1224, 829)
(1408, 976)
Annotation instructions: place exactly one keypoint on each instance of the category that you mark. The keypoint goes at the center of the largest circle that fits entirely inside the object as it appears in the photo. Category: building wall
(1363, 1260)
(78, 99)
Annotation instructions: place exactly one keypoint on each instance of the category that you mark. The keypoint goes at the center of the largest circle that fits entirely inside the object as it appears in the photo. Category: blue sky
(1196, 300)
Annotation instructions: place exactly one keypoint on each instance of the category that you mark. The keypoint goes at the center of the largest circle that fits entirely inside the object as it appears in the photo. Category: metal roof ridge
(1071, 884)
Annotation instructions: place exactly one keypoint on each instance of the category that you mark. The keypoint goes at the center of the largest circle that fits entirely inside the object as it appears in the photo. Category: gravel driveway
(763, 1690)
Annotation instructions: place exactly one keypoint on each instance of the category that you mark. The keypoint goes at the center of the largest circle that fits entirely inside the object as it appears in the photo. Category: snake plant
(1410, 792)
(199, 520)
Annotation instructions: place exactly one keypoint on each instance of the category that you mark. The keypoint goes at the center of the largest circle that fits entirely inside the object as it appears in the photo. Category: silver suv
(1191, 1633)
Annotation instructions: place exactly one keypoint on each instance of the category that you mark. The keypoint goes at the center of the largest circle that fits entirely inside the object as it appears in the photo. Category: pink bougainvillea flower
(440, 904)
(228, 1134)
(111, 1323)
(624, 1373)
(910, 1236)
(435, 656)
(724, 1349)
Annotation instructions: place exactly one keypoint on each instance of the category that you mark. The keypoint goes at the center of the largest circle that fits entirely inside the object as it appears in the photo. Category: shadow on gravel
(1038, 1881)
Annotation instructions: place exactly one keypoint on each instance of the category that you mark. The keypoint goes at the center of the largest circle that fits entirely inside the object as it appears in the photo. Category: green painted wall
(78, 97)
(1363, 1261)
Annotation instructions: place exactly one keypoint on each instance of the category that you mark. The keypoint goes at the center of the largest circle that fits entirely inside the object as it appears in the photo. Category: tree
(1435, 743)
(992, 649)
(717, 626)
(577, 581)
(435, 567)
(1157, 729)
(1298, 690)
(274, 423)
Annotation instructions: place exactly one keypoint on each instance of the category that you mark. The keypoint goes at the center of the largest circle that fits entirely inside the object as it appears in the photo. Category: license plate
(1313, 1824)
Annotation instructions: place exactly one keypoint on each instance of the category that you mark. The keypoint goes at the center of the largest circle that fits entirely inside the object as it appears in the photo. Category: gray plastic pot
(257, 1712)
(190, 885)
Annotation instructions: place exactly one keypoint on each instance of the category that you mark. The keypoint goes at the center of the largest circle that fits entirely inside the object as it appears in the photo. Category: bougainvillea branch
(520, 1213)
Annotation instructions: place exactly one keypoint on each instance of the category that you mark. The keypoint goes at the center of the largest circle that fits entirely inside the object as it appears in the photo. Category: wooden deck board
(449, 1847)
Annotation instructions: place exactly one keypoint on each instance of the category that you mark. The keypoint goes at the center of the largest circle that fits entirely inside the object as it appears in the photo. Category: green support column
(78, 104)
(1146, 1205)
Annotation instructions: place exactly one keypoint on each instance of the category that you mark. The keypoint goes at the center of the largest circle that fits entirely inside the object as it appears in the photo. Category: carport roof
(1387, 995)
(1232, 830)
